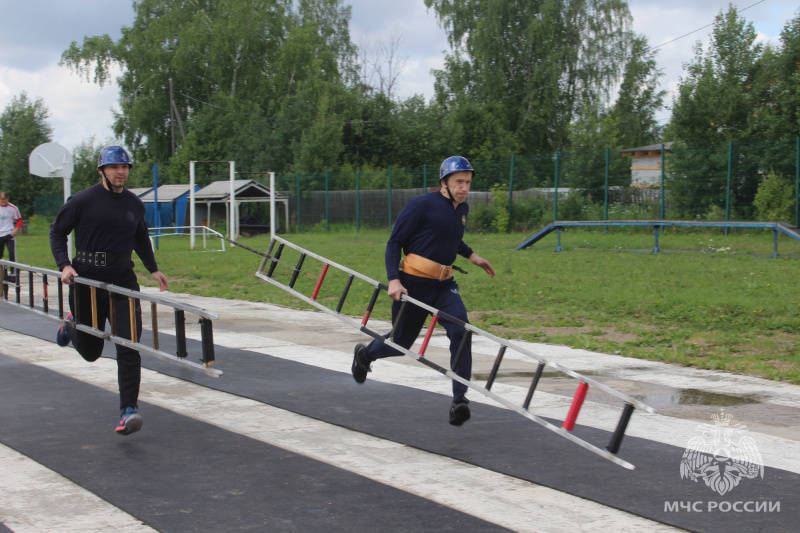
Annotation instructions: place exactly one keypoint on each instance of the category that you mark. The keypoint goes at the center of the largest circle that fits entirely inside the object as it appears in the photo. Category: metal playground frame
(776, 227)
(272, 258)
(181, 358)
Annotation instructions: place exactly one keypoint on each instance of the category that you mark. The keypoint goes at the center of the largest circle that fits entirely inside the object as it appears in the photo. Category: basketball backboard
(50, 160)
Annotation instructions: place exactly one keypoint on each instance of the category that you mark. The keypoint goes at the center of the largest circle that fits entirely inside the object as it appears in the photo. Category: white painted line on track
(34, 499)
(500, 499)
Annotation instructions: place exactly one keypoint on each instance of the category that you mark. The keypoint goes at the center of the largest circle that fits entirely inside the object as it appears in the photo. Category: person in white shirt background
(10, 225)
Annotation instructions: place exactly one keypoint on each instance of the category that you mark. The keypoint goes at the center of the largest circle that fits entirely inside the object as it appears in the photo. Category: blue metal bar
(774, 243)
(656, 250)
(782, 227)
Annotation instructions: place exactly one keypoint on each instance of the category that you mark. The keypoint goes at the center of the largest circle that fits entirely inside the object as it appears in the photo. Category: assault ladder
(273, 258)
(13, 278)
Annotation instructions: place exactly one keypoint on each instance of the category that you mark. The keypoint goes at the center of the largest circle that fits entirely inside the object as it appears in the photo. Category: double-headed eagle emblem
(722, 456)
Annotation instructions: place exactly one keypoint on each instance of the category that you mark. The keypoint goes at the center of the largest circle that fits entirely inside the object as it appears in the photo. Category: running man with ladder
(429, 230)
(109, 224)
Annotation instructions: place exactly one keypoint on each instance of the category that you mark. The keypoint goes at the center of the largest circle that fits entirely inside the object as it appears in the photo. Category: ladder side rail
(452, 375)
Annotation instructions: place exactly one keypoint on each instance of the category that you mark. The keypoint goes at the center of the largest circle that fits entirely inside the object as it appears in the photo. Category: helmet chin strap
(450, 194)
(108, 181)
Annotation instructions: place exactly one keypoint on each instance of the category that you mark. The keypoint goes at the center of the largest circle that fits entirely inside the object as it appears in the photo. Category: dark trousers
(129, 362)
(444, 297)
(8, 241)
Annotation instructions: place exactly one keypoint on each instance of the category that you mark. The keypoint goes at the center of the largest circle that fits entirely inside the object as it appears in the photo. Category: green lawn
(708, 300)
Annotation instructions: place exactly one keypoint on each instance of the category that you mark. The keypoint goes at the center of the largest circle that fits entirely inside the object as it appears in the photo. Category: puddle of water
(695, 397)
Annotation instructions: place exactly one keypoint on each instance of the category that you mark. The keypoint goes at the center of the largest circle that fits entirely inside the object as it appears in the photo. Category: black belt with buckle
(102, 258)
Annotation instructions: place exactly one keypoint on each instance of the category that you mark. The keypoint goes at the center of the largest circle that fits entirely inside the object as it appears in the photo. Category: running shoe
(130, 421)
(360, 364)
(459, 412)
(62, 335)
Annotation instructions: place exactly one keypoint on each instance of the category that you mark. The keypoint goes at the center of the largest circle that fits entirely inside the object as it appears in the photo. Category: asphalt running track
(187, 472)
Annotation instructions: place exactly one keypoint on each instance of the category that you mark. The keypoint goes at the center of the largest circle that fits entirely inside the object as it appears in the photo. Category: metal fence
(667, 181)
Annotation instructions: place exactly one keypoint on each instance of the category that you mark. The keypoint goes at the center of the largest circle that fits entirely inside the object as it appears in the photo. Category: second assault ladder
(273, 258)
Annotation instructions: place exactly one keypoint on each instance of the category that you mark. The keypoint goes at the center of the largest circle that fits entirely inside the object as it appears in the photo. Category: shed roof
(140, 191)
(648, 148)
(242, 189)
(167, 193)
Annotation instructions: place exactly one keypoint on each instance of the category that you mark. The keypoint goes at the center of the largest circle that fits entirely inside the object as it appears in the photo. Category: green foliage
(530, 64)
(84, 159)
(775, 199)
(500, 203)
(23, 127)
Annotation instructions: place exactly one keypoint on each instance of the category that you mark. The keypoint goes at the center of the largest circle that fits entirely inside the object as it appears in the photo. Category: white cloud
(78, 109)
(34, 34)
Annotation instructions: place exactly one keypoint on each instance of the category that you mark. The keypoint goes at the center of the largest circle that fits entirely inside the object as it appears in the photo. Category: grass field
(707, 300)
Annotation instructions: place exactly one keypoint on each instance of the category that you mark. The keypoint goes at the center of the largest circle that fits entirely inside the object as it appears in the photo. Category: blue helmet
(113, 155)
(453, 164)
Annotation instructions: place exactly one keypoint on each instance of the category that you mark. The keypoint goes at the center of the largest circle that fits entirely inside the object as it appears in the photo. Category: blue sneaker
(130, 421)
(62, 335)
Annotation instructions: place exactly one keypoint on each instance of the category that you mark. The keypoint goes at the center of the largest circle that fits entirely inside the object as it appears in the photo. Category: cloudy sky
(34, 33)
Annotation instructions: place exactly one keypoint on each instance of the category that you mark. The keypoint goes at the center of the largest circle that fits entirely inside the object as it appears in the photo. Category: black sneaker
(459, 412)
(360, 366)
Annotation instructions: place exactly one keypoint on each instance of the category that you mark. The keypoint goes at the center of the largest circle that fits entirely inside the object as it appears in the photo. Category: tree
(639, 98)
(242, 62)
(23, 127)
(84, 159)
(541, 60)
(712, 112)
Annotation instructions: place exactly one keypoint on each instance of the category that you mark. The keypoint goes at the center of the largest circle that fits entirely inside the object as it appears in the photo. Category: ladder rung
(575, 408)
(467, 337)
(180, 333)
(30, 288)
(371, 305)
(297, 270)
(622, 425)
(534, 384)
(434, 320)
(207, 338)
(319, 282)
(275, 261)
(344, 293)
(397, 319)
(496, 367)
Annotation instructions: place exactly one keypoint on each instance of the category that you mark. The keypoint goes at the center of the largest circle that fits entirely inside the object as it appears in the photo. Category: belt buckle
(100, 259)
(442, 273)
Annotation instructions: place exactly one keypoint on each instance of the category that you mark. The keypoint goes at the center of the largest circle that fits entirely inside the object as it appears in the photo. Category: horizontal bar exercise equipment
(438, 315)
(131, 297)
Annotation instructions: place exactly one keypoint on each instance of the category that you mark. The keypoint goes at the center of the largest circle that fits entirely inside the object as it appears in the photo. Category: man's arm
(59, 232)
(477, 260)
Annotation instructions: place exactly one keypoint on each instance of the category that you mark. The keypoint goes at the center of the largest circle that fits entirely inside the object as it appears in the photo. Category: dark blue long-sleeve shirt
(428, 226)
(103, 221)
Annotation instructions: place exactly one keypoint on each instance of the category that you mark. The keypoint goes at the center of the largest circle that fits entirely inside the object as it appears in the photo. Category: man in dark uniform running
(109, 224)
(429, 230)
